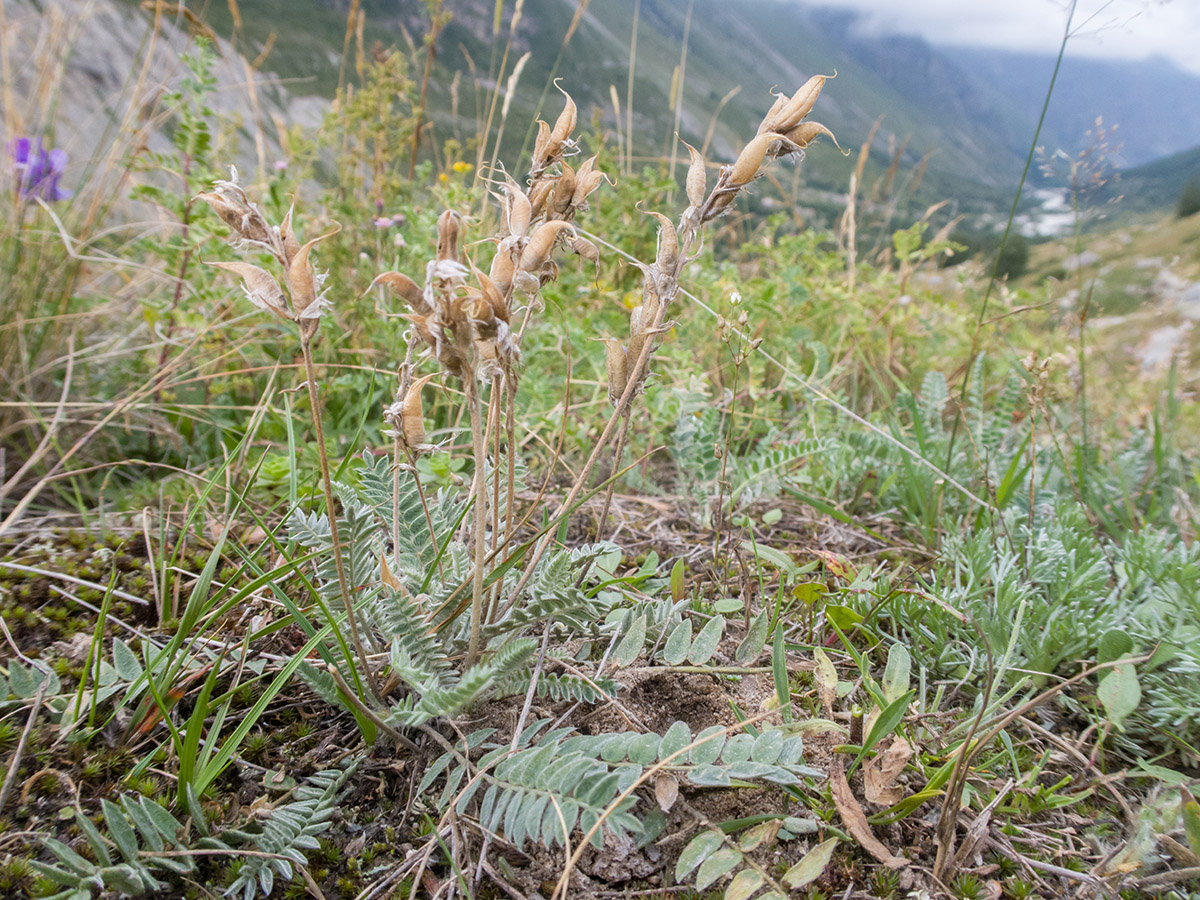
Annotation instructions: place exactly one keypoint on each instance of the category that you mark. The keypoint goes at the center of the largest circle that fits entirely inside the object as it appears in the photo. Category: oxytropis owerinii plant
(471, 321)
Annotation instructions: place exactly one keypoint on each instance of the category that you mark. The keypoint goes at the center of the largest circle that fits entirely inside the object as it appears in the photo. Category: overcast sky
(1118, 28)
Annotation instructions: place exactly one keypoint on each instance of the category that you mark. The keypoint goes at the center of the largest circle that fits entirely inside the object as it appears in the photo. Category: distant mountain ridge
(974, 109)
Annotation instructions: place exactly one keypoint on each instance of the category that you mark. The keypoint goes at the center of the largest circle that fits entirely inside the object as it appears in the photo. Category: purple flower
(38, 169)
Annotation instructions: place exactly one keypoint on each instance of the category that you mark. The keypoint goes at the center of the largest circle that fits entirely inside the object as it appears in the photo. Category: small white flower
(735, 298)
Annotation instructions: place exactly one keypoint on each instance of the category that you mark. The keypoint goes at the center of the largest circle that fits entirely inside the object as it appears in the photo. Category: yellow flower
(462, 167)
(442, 178)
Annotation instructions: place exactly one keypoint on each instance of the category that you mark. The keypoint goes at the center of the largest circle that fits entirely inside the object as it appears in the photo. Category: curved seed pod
(492, 293)
(541, 244)
(697, 178)
(585, 248)
(717, 205)
(447, 231)
(617, 369)
(636, 343)
(526, 283)
(564, 190)
(485, 351)
(800, 105)
(668, 244)
(539, 194)
(287, 236)
(301, 279)
(635, 320)
(541, 144)
(585, 185)
(450, 358)
(421, 324)
(807, 132)
(502, 269)
(768, 122)
(751, 158)
(260, 286)
(565, 123)
(408, 289)
(412, 416)
(229, 212)
(520, 210)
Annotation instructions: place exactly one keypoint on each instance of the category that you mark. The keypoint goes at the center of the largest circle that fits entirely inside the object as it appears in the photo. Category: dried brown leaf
(881, 773)
(856, 821)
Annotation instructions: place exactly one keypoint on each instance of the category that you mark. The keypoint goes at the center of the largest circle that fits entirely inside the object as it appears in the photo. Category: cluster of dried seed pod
(782, 132)
(303, 300)
(463, 315)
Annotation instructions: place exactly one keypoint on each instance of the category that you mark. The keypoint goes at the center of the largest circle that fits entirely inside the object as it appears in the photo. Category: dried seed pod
(800, 105)
(750, 160)
(668, 244)
(412, 416)
(768, 122)
(502, 269)
(447, 231)
(585, 248)
(541, 145)
(492, 293)
(617, 368)
(421, 324)
(520, 210)
(807, 132)
(408, 289)
(302, 281)
(541, 244)
(585, 186)
(564, 190)
(697, 178)
(635, 320)
(260, 286)
(229, 212)
(539, 194)
(636, 343)
(287, 236)
(565, 123)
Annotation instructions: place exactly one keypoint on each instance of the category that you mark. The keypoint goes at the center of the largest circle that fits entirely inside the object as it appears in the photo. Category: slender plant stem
(480, 499)
(608, 494)
(327, 484)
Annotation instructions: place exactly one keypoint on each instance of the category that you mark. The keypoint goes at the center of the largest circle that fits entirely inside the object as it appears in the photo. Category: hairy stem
(479, 490)
(327, 484)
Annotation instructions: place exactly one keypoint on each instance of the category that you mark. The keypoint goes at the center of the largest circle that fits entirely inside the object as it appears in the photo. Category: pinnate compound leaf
(698, 849)
(810, 868)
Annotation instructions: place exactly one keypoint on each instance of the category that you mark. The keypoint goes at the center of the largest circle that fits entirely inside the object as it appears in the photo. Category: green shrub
(1189, 199)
